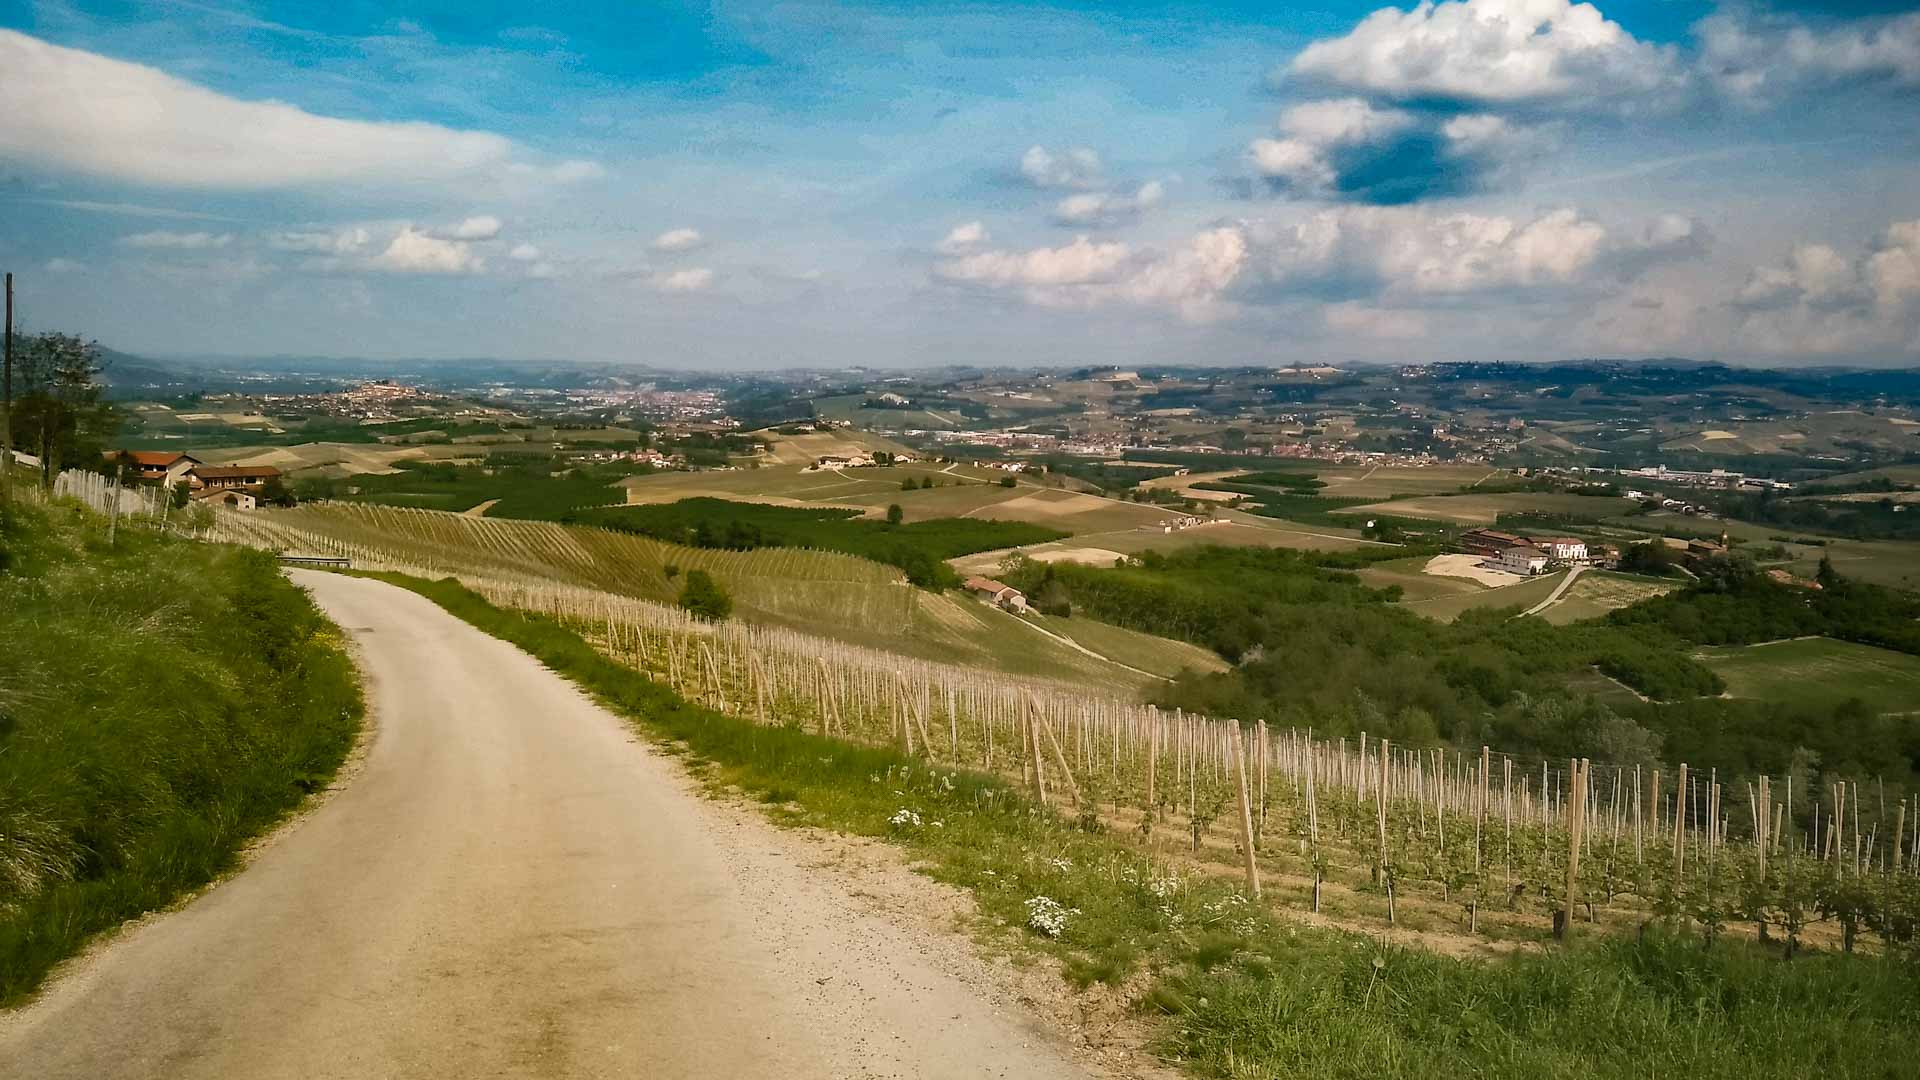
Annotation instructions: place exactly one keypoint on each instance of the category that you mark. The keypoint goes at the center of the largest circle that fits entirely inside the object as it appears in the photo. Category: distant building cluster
(1524, 555)
(236, 486)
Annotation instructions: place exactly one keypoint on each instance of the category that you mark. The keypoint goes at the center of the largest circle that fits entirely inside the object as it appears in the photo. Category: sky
(755, 185)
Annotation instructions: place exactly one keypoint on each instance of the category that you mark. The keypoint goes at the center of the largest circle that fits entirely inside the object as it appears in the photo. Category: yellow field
(1524, 593)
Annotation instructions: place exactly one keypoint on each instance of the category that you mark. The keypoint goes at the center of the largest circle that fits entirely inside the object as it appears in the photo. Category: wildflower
(1062, 865)
(1048, 916)
(904, 819)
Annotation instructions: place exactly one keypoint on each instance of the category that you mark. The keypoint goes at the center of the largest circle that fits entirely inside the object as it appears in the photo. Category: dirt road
(512, 886)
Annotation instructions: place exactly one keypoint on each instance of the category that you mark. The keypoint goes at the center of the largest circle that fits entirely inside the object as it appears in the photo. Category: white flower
(1062, 865)
(904, 819)
(1048, 915)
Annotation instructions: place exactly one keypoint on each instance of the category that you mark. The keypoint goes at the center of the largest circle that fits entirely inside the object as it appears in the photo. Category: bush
(704, 597)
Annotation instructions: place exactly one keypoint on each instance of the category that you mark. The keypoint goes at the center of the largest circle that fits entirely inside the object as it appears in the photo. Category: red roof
(981, 584)
(156, 459)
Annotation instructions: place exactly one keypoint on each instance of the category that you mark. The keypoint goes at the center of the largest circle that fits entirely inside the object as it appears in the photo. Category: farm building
(231, 476)
(1489, 543)
(997, 593)
(1522, 559)
(163, 467)
(230, 498)
(1561, 548)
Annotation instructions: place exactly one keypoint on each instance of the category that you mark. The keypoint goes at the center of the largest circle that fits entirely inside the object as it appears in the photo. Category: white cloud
(1075, 168)
(1087, 274)
(1490, 50)
(1076, 263)
(1820, 300)
(71, 110)
(524, 253)
(414, 251)
(1099, 208)
(542, 271)
(483, 227)
(340, 242)
(1753, 57)
(963, 238)
(63, 265)
(678, 240)
(683, 281)
(1414, 252)
(186, 241)
(1302, 158)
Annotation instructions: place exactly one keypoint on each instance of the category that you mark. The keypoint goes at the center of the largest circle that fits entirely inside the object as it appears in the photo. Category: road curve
(511, 886)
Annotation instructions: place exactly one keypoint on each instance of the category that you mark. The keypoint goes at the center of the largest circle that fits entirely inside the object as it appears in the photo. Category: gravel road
(511, 885)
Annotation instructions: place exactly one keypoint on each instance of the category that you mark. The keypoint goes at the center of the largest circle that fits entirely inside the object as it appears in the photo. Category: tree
(276, 493)
(704, 597)
(1827, 576)
(59, 411)
(895, 515)
(182, 491)
(1006, 481)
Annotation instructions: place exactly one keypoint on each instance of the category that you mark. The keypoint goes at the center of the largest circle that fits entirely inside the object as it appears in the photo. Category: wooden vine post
(1576, 826)
(1246, 813)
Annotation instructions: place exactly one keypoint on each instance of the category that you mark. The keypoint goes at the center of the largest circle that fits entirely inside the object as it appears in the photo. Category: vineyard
(1428, 841)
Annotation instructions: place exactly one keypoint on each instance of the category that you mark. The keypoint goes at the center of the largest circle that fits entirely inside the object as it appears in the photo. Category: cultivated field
(1382, 481)
(1484, 509)
(330, 458)
(1819, 671)
(1417, 581)
(1599, 592)
(836, 596)
(1523, 593)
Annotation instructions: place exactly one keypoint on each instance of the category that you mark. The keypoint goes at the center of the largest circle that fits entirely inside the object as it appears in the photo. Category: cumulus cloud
(1489, 51)
(1413, 252)
(524, 253)
(415, 251)
(62, 265)
(1078, 168)
(71, 110)
(1754, 58)
(678, 240)
(1076, 263)
(1102, 208)
(183, 241)
(683, 281)
(963, 238)
(1821, 300)
(483, 227)
(1086, 273)
(1351, 150)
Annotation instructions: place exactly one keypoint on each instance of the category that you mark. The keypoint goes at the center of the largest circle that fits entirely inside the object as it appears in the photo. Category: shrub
(704, 597)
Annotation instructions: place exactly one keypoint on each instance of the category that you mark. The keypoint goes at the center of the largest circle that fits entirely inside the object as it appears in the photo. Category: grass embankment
(162, 702)
(1242, 992)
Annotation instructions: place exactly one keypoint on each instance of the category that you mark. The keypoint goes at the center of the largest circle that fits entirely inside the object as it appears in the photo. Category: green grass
(1819, 671)
(162, 702)
(1522, 594)
(519, 487)
(1242, 993)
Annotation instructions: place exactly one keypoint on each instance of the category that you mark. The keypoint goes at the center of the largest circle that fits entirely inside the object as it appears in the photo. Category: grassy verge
(162, 702)
(1242, 991)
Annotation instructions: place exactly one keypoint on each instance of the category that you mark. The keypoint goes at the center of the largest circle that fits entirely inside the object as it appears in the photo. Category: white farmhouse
(1522, 559)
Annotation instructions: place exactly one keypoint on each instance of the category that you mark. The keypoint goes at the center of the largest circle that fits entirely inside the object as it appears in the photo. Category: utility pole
(6, 406)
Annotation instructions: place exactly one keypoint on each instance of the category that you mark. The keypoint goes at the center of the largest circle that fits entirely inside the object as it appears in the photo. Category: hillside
(162, 702)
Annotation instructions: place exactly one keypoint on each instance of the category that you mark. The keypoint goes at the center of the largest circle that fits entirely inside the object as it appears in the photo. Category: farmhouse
(997, 593)
(1488, 542)
(1562, 548)
(1523, 559)
(231, 476)
(163, 467)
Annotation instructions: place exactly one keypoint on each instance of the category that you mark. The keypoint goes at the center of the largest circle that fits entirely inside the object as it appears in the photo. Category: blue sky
(749, 185)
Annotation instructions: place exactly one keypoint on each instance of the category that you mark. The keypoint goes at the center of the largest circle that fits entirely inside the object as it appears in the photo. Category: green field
(1522, 594)
(1414, 583)
(1819, 671)
(1161, 656)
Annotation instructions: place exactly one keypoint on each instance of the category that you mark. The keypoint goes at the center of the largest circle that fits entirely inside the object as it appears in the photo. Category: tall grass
(1243, 993)
(161, 703)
